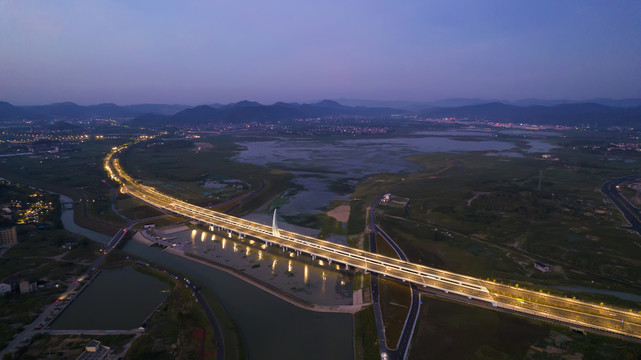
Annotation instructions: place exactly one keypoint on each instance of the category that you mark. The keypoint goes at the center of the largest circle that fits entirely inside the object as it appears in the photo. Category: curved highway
(569, 311)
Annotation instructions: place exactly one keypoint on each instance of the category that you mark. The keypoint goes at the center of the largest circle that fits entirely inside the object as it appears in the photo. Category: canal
(270, 327)
(117, 299)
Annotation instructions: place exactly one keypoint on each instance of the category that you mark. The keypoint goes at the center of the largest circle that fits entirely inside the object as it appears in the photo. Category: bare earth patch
(340, 213)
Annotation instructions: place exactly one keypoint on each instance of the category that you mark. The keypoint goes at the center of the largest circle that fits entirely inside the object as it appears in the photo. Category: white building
(5, 288)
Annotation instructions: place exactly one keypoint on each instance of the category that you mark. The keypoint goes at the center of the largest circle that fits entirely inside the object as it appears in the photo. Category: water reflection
(323, 163)
(303, 276)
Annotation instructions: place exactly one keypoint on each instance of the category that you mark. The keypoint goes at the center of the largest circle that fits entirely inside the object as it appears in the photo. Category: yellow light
(305, 275)
(321, 263)
(289, 266)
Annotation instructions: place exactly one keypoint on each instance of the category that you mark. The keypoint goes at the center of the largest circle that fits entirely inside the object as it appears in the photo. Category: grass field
(179, 170)
(485, 216)
(365, 337)
(44, 346)
(38, 256)
(449, 330)
(77, 174)
(178, 329)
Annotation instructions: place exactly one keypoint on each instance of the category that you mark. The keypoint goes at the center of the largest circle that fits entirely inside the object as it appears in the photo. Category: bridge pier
(329, 261)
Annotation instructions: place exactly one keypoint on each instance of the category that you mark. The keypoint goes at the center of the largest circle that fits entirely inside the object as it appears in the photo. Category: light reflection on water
(267, 325)
(295, 273)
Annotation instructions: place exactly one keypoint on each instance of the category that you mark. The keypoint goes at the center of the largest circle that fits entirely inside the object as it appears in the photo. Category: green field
(449, 330)
(178, 328)
(78, 174)
(485, 216)
(38, 256)
(175, 167)
(365, 337)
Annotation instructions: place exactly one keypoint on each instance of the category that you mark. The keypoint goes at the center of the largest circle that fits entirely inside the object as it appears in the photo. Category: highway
(631, 214)
(415, 305)
(535, 303)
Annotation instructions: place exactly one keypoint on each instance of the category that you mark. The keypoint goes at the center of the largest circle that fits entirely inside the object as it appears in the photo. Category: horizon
(175, 53)
(338, 100)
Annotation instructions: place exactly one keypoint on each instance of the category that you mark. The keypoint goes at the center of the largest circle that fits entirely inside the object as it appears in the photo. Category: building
(95, 351)
(5, 288)
(541, 266)
(8, 236)
(24, 286)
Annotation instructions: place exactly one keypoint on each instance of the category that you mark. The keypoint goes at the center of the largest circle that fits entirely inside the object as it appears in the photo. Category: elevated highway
(626, 323)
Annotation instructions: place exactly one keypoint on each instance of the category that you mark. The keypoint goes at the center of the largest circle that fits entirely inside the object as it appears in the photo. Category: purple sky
(196, 52)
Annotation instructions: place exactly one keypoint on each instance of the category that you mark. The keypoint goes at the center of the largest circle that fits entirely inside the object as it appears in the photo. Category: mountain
(250, 111)
(240, 104)
(415, 106)
(595, 115)
(162, 109)
(601, 101)
(72, 111)
(199, 115)
(9, 112)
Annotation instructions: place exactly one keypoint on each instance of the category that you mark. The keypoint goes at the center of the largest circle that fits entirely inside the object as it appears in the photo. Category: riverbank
(291, 299)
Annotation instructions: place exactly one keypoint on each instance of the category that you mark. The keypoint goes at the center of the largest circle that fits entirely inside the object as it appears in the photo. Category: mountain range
(626, 112)
(594, 115)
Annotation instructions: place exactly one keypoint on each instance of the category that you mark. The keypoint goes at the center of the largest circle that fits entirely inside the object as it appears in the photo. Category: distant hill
(601, 101)
(163, 109)
(415, 106)
(250, 111)
(595, 115)
(601, 112)
(9, 112)
(70, 111)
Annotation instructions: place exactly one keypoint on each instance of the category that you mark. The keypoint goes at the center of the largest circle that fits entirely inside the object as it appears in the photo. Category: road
(415, 305)
(534, 303)
(400, 352)
(631, 213)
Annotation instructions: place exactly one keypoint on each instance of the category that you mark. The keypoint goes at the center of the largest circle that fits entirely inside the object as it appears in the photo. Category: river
(270, 327)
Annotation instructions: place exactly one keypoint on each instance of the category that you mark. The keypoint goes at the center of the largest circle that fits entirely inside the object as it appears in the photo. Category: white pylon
(275, 230)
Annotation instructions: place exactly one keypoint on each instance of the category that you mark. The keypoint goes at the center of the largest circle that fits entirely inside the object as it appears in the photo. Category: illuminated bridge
(387, 266)
(534, 303)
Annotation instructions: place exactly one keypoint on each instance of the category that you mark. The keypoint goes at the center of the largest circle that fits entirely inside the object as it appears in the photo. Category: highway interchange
(537, 304)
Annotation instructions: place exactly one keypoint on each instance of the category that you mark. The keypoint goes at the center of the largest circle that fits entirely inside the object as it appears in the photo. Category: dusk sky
(199, 52)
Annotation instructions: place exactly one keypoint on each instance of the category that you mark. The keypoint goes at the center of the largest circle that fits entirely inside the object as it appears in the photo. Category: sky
(201, 52)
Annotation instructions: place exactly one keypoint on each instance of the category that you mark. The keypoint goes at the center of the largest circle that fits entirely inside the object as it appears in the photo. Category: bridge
(584, 315)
